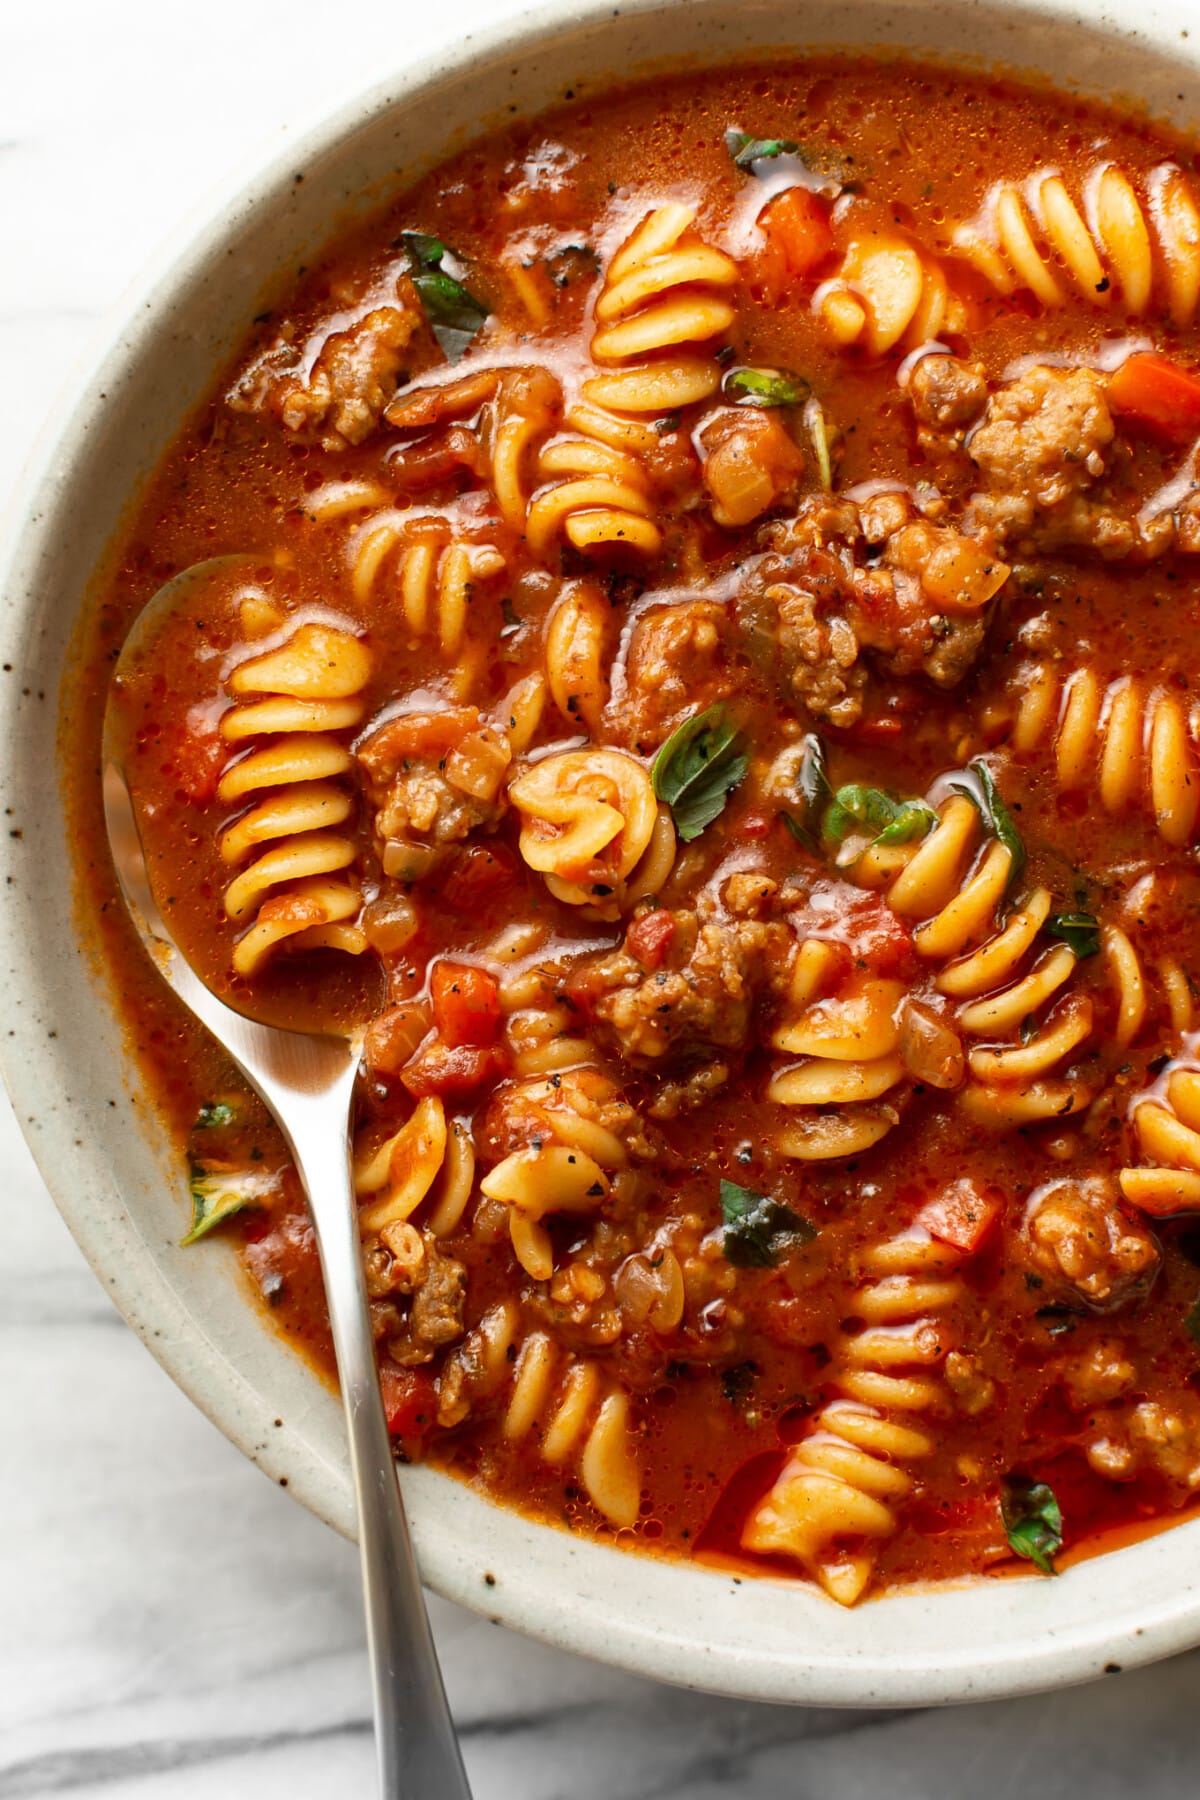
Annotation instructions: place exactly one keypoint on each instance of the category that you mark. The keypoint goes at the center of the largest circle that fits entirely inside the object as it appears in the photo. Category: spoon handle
(418, 1751)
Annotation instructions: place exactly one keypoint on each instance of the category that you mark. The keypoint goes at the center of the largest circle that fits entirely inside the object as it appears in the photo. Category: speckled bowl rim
(75, 1089)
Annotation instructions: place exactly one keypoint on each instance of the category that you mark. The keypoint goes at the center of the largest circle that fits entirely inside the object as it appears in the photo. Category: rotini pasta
(302, 698)
(665, 298)
(1166, 1127)
(434, 575)
(886, 293)
(566, 1407)
(1019, 1001)
(1131, 742)
(593, 828)
(1113, 242)
(843, 1484)
(575, 1128)
(849, 1042)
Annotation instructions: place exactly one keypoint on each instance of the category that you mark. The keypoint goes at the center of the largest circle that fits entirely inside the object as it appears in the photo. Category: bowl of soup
(692, 539)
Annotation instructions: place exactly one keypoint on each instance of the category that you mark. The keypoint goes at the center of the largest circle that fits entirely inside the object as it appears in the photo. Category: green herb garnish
(1032, 1520)
(1191, 1320)
(758, 1230)
(1080, 931)
(216, 1197)
(764, 387)
(698, 768)
(452, 310)
(812, 781)
(818, 431)
(981, 790)
(736, 1382)
(889, 820)
(212, 1115)
(747, 150)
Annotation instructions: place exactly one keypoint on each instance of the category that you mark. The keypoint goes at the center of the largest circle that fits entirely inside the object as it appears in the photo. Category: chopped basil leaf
(212, 1115)
(981, 790)
(452, 310)
(737, 1382)
(216, 1197)
(758, 1230)
(1032, 1520)
(812, 780)
(1191, 1320)
(1080, 931)
(818, 431)
(801, 833)
(572, 262)
(698, 768)
(891, 820)
(764, 387)
(1059, 1319)
(746, 150)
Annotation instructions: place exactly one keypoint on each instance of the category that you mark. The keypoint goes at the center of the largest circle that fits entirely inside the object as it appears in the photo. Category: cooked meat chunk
(437, 1308)
(1099, 1375)
(435, 777)
(698, 999)
(680, 658)
(973, 1391)
(350, 380)
(547, 1110)
(1078, 1236)
(946, 394)
(1154, 1435)
(821, 605)
(1045, 449)
(751, 463)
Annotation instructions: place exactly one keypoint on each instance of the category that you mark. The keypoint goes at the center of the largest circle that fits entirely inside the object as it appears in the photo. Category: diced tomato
(199, 757)
(879, 937)
(444, 1069)
(756, 825)
(1157, 393)
(466, 1004)
(799, 238)
(478, 876)
(879, 730)
(423, 734)
(409, 1400)
(649, 938)
(962, 1215)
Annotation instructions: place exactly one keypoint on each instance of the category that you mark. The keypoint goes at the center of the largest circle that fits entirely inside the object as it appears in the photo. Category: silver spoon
(307, 1081)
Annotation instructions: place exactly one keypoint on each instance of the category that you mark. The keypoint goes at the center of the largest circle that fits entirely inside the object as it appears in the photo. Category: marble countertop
(171, 1624)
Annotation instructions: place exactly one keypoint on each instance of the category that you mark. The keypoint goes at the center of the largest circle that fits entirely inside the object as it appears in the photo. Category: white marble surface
(171, 1624)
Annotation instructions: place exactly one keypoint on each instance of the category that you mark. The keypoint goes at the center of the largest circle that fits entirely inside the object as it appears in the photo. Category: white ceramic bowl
(77, 1094)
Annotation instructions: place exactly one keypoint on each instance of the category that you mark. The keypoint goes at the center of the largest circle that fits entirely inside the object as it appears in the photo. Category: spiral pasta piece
(848, 1043)
(1016, 999)
(593, 828)
(838, 1497)
(294, 840)
(576, 638)
(428, 1162)
(665, 298)
(1111, 241)
(435, 574)
(576, 1417)
(887, 293)
(1130, 742)
(1166, 1127)
(594, 494)
(575, 1129)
